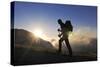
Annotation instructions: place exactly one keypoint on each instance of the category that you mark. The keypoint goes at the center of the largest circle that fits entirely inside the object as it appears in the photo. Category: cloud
(82, 35)
(83, 42)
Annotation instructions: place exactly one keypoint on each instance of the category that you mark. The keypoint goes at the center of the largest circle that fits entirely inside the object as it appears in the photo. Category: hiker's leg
(68, 46)
(60, 44)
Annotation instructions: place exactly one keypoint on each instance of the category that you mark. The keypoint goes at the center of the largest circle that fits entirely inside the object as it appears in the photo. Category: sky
(30, 16)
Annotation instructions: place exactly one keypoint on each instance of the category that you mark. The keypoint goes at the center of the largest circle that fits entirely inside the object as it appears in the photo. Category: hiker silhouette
(64, 33)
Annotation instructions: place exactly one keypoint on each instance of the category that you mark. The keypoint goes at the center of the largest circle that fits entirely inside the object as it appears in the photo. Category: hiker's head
(59, 21)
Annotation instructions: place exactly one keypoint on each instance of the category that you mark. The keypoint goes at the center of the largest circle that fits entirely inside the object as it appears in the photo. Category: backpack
(68, 26)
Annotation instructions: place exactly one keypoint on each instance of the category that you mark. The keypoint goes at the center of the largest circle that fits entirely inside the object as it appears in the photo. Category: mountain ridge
(24, 38)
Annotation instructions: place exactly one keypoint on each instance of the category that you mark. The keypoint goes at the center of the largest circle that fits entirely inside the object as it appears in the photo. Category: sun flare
(38, 33)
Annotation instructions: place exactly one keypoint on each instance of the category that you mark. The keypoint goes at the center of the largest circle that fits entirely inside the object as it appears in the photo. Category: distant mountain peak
(24, 38)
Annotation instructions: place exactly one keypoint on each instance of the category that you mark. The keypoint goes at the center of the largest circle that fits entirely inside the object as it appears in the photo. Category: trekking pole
(60, 38)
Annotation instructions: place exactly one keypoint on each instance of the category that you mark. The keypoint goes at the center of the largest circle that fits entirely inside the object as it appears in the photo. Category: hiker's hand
(59, 35)
(59, 30)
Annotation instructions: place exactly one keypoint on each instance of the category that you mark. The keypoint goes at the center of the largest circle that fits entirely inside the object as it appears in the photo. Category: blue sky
(33, 15)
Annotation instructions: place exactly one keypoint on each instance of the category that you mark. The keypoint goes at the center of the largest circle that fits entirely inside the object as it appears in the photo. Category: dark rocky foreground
(29, 57)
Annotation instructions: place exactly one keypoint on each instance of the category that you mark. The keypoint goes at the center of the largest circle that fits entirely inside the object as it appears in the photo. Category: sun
(38, 33)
